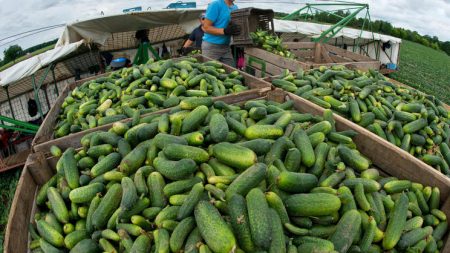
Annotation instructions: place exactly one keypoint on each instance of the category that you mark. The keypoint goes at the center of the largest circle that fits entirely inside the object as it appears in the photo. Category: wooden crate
(309, 55)
(390, 161)
(46, 131)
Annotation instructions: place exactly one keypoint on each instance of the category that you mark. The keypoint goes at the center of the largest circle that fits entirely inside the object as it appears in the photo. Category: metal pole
(46, 97)
(54, 80)
(9, 102)
(36, 96)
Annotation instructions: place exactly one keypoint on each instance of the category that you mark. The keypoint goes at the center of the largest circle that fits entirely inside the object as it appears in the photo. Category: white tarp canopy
(31, 65)
(98, 30)
(347, 36)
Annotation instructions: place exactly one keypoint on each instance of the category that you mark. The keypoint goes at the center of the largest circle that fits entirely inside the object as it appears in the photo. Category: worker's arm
(209, 28)
(188, 43)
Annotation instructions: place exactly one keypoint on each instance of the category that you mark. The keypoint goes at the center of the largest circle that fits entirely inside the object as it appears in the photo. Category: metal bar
(9, 102)
(54, 80)
(362, 28)
(155, 54)
(46, 97)
(18, 129)
(36, 96)
(329, 12)
(338, 26)
(41, 81)
(19, 123)
(338, 4)
(252, 59)
(295, 13)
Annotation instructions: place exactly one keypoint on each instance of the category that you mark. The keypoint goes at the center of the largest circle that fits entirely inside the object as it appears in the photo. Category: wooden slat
(16, 233)
(318, 53)
(345, 53)
(277, 60)
(326, 57)
(295, 45)
(306, 54)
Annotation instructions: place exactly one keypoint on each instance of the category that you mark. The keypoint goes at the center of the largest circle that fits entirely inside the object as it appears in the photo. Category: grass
(39, 51)
(425, 69)
(8, 183)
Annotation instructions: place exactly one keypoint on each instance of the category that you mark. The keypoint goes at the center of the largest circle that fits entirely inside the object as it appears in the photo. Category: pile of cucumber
(271, 43)
(416, 122)
(214, 177)
(143, 89)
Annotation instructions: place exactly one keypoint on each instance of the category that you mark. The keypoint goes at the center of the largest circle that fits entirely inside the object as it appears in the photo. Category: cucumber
(214, 230)
(193, 240)
(41, 197)
(218, 128)
(353, 159)
(180, 233)
(263, 132)
(50, 234)
(161, 140)
(296, 182)
(85, 246)
(71, 172)
(86, 193)
(312, 204)
(175, 170)
(191, 201)
(107, 206)
(414, 236)
(396, 223)
(73, 238)
(346, 230)
(258, 215)
(415, 125)
(178, 152)
(194, 119)
(141, 244)
(247, 180)
(239, 221)
(278, 243)
(129, 194)
(259, 146)
(58, 206)
(303, 144)
(234, 155)
(108, 163)
(133, 161)
(156, 184)
(180, 186)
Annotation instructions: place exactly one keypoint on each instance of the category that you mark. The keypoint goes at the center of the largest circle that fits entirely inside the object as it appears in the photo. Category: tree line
(378, 26)
(14, 52)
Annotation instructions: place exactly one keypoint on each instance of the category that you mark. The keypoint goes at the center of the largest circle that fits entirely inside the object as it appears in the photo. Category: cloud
(430, 18)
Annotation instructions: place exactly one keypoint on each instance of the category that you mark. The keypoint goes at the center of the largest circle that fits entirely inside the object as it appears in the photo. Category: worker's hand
(183, 51)
(232, 29)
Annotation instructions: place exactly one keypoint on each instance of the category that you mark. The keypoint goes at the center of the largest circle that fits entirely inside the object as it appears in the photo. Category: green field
(425, 69)
(8, 183)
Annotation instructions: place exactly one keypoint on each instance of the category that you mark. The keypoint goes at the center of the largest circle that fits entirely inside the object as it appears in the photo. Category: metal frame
(142, 53)
(354, 8)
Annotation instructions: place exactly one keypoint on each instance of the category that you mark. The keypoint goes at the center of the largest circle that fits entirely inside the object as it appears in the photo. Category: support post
(36, 96)
(54, 81)
(46, 97)
(9, 102)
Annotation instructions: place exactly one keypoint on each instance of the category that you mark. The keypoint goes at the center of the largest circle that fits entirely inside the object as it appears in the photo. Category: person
(218, 30)
(196, 36)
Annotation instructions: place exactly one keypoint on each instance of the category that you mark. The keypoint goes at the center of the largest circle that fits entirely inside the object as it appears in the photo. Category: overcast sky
(430, 17)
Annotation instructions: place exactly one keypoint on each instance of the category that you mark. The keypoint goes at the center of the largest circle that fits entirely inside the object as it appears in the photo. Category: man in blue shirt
(218, 30)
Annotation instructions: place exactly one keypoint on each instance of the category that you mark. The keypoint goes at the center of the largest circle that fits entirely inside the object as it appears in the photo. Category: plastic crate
(250, 20)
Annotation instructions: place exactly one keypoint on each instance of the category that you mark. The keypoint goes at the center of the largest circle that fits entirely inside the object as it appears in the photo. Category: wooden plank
(388, 157)
(16, 233)
(270, 70)
(345, 53)
(73, 140)
(318, 53)
(307, 54)
(297, 45)
(282, 62)
(326, 57)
